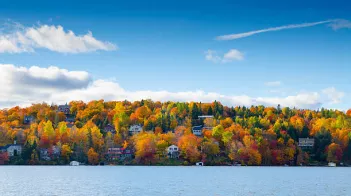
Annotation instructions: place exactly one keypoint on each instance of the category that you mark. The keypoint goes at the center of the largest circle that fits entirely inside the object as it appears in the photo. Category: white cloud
(54, 38)
(21, 85)
(231, 55)
(273, 83)
(333, 95)
(24, 86)
(211, 55)
(250, 33)
(340, 24)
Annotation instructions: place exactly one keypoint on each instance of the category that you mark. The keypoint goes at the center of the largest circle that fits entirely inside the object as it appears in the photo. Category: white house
(74, 163)
(199, 164)
(173, 151)
(135, 129)
(12, 149)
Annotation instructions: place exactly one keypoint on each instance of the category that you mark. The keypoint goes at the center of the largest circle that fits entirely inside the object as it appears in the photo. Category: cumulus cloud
(335, 24)
(24, 86)
(231, 55)
(54, 38)
(333, 95)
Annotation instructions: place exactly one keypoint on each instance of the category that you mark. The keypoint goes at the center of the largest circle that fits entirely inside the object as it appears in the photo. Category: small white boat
(199, 164)
(74, 163)
(331, 164)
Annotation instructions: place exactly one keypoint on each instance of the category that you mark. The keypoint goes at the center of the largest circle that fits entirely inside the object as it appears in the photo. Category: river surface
(164, 181)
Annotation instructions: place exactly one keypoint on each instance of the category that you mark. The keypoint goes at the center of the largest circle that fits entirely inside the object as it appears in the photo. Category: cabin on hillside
(28, 120)
(197, 130)
(66, 109)
(135, 129)
(173, 151)
(109, 128)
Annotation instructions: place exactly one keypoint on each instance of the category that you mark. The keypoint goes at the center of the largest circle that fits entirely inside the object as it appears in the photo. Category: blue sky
(161, 46)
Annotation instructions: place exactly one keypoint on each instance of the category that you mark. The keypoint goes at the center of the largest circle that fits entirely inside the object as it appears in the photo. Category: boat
(74, 163)
(331, 164)
(199, 164)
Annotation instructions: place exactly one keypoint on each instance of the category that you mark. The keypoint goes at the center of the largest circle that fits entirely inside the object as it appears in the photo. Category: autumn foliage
(255, 135)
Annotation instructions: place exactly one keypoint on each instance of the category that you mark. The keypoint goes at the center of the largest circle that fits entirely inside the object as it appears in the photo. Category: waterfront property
(306, 143)
(12, 149)
(173, 151)
(49, 154)
(118, 154)
(135, 129)
(74, 163)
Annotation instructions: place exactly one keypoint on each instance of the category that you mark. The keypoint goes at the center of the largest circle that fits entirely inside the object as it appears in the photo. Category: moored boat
(331, 164)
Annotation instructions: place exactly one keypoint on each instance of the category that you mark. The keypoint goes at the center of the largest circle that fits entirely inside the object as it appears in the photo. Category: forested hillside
(255, 135)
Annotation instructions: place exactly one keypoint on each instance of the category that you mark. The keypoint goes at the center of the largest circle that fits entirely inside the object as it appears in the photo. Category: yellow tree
(93, 157)
(66, 152)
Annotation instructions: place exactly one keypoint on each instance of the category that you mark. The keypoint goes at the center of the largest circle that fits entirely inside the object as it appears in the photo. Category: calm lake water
(155, 181)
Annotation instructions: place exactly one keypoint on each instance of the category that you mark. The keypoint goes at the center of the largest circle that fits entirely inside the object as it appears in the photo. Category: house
(306, 143)
(69, 125)
(64, 108)
(173, 151)
(197, 130)
(74, 163)
(135, 129)
(70, 119)
(109, 128)
(28, 120)
(118, 153)
(199, 164)
(12, 149)
(48, 154)
(205, 116)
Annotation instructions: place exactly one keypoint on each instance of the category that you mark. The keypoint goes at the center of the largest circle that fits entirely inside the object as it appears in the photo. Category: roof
(206, 116)
(197, 127)
(7, 146)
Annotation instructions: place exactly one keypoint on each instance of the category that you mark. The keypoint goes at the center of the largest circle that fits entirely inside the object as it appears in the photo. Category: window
(175, 148)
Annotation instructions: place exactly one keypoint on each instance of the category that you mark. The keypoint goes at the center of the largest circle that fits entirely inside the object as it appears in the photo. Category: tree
(217, 132)
(334, 153)
(322, 140)
(188, 145)
(93, 157)
(145, 146)
(66, 152)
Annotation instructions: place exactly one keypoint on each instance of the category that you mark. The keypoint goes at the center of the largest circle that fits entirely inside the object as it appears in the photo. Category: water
(164, 181)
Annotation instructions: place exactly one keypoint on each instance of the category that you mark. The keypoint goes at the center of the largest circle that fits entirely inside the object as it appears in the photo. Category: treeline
(255, 135)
